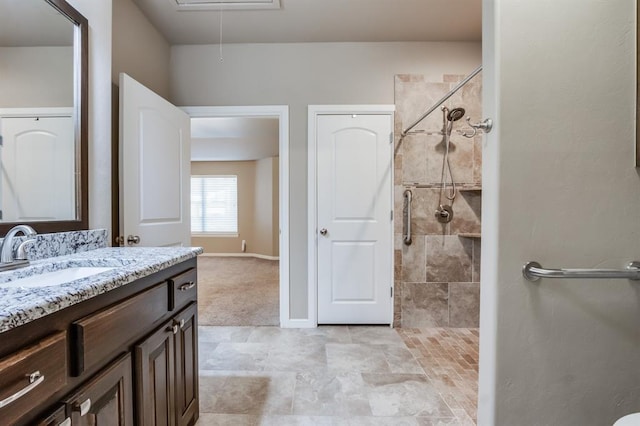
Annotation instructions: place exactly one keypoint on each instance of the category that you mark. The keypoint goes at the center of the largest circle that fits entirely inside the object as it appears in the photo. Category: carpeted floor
(235, 291)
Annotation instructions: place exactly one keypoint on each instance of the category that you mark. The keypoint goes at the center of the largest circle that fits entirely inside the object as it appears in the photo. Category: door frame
(312, 205)
(282, 113)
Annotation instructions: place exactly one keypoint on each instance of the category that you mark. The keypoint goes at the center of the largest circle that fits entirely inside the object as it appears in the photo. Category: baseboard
(256, 255)
(297, 323)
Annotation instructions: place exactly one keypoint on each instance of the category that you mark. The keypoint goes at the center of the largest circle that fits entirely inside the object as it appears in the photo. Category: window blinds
(214, 204)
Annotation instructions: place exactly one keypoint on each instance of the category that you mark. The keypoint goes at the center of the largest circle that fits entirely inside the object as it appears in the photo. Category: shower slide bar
(406, 220)
(533, 271)
(441, 101)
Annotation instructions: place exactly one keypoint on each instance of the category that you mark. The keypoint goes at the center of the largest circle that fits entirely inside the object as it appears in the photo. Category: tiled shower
(437, 277)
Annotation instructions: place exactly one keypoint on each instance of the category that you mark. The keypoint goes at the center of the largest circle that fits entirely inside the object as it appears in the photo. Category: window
(214, 205)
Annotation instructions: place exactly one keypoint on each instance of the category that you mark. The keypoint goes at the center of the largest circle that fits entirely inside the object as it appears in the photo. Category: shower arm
(441, 101)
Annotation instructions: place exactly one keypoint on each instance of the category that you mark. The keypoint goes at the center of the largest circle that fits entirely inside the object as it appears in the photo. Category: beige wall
(560, 188)
(265, 218)
(256, 206)
(99, 15)
(275, 206)
(139, 49)
(299, 74)
(36, 77)
(246, 172)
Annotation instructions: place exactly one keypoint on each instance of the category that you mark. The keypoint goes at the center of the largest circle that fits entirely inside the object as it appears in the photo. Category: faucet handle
(21, 253)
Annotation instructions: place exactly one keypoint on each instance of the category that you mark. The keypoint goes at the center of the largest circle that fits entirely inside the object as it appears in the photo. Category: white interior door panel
(155, 168)
(354, 195)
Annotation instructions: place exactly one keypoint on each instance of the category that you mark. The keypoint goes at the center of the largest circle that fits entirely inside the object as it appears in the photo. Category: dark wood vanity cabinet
(127, 357)
(186, 353)
(107, 399)
(167, 371)
(155, 377)
(57, 417)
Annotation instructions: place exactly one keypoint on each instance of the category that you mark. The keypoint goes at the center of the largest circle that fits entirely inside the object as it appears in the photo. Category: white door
(38, 169)
(355, 248)
(154, 168)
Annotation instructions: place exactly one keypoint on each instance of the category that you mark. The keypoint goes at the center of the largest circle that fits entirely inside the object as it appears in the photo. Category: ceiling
(306, 21)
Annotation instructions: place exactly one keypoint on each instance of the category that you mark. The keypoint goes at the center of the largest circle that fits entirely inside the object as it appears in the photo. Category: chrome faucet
(7, 258)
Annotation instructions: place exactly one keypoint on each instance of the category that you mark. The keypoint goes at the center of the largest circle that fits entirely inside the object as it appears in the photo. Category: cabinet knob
(133, 239)
(323, 232)
(177, 325)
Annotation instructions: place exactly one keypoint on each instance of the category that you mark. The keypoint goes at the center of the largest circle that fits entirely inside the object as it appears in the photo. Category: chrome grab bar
(406, 220)
(533, 271)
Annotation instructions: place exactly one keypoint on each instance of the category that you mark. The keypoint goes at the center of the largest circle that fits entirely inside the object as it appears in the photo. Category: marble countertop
(20, 305)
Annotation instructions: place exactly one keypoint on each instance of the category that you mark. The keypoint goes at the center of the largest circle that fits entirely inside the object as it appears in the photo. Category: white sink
(58, 277)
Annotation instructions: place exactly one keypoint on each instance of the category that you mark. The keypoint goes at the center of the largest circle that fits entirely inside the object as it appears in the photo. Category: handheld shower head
(455, 114)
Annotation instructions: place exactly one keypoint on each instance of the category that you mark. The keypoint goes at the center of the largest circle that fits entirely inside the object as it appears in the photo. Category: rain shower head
(455, 114)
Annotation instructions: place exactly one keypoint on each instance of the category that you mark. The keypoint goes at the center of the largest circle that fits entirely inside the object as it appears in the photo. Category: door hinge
(391, 288)
(391, 214)
(391, 138)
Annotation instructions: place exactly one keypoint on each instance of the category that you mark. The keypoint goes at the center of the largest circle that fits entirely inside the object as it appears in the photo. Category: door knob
(133, 239)
(323, 231)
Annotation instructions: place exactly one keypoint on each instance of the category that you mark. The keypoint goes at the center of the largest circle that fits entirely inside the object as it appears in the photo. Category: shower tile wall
(437, 276)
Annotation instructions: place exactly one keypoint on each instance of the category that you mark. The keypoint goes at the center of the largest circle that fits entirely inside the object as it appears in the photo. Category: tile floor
(343, 375)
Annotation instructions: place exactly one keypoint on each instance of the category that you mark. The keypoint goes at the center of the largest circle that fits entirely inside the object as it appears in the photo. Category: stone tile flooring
(342, 375)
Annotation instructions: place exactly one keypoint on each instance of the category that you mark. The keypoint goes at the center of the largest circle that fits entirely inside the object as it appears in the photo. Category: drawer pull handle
(84, 407)
(35, 379)
(187, 286)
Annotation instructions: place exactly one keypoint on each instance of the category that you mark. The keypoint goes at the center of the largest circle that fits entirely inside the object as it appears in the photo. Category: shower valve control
(444, 214)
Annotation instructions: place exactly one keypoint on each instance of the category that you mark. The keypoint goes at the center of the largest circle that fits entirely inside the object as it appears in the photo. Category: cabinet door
(107, 399)
(155, 366)
(57, 418)
(186, 341)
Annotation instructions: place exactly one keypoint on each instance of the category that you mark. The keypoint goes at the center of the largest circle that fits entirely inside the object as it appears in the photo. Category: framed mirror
(43, 116)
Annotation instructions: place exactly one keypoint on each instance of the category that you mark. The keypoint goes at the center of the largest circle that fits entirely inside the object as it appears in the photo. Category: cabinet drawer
(98, 335)
(183, 289)
(32, 375)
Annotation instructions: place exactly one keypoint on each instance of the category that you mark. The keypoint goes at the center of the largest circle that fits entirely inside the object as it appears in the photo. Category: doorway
(263, 264)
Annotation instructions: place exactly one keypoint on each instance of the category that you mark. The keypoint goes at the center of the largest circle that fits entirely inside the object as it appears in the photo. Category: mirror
(43, 116)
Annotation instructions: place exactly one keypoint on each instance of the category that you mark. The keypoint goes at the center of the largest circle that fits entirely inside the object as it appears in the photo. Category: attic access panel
(226, 4)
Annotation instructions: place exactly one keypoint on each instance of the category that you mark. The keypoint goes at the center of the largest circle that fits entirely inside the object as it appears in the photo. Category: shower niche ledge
(470, 235)
(470, 189)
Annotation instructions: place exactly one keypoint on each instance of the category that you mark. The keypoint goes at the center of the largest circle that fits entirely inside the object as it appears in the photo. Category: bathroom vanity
(116, 347)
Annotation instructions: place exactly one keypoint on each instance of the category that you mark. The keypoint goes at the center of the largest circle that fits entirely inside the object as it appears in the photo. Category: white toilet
(628, 420)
